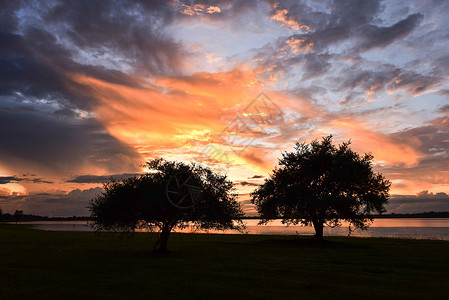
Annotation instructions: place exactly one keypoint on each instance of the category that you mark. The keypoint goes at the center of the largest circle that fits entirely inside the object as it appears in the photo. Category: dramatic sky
(90, 89)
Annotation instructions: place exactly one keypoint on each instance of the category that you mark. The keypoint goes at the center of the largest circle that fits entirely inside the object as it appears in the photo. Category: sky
(93, 89)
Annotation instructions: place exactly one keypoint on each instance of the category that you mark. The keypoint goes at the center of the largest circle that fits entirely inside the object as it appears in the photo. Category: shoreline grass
(38, 264)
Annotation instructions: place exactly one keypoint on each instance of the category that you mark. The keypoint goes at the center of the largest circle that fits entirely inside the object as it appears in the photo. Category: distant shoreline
(423, 215)
(30, 218)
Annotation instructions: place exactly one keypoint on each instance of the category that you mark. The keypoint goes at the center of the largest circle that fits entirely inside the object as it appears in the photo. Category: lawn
(78, 265)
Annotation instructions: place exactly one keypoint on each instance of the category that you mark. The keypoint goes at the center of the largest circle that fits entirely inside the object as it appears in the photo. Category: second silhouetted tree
(320, 183)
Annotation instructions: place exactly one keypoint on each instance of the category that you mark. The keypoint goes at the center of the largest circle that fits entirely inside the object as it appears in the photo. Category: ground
(74, 265)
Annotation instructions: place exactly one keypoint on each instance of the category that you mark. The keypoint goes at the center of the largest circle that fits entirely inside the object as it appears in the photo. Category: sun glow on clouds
(198, 9)
(281, 16)
(185, 112)
(385, 149)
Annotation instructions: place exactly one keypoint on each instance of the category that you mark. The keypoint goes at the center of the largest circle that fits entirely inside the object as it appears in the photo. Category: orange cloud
(172, 115)
(4, 191)
(385, 149)
(281, 16)
(198, 9)
(298, 45)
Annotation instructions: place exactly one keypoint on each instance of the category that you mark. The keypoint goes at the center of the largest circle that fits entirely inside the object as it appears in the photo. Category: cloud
(12, 179)
(41, 47)
(432, 141)
(345, 20)
(444, 108)
(72, 203)
(329, 38)
(375, 36)
(384, 148)
(256, 177)
(4, 192)
(246, 183)
(198, 9)
(193, 109)
(218, 11)
(296, 15)
(60, 146)
(422, 202)
(133, 32)
(101, 179)
(8, 179)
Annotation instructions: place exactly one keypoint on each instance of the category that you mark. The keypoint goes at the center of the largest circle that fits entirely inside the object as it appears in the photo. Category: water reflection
(413, 228)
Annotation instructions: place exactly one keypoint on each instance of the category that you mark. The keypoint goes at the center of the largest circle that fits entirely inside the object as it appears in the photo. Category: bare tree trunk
(163, 239)
(319, 226)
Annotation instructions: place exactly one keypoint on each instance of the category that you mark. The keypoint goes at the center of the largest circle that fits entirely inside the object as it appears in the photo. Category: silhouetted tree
(320, 183)
(1, 215)
(18, 215)
(142, 201)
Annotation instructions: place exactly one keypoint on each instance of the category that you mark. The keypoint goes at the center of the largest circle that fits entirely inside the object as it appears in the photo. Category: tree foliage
(141, 201)
(320, 183)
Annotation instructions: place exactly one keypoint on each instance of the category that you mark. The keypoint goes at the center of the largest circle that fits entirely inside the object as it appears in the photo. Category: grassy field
(75, 265)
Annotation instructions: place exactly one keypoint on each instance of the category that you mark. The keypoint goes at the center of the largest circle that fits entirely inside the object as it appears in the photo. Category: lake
(422, 228)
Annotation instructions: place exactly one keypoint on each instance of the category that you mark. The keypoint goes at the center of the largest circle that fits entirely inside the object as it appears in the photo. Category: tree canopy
(169, 196)
(320, 183)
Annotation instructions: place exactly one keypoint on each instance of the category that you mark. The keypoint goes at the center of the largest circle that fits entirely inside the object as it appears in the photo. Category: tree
(1, 215)
(18, 214)
(320, 183)
(206, 201)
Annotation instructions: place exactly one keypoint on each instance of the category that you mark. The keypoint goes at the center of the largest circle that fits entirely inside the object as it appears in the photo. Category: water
(401, 228)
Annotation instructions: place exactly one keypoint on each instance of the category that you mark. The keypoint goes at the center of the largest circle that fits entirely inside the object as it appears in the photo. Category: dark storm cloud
(256, 177)
(374, 36)
(315, 64)
(45, 42)
(133, 30)
(42, 141)
(358, 76)
(422, 202)
(13, 179)
(246, 183)
(8, 179)
(101, 179)
(415, 83)
(35, 59)
(371, 78)
(51, 204)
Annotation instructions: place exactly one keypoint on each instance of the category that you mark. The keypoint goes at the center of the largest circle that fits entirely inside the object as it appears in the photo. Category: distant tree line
(430, 214)
(7, 217)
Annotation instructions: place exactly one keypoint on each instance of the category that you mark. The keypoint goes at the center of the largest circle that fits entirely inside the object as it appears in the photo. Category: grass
(79, 265)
